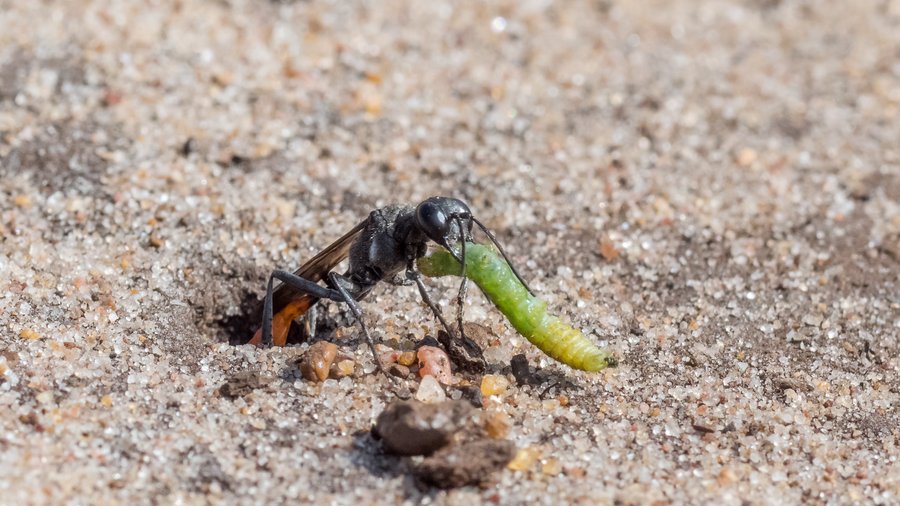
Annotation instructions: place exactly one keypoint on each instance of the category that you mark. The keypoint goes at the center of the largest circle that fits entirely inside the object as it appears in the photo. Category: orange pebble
(435, 362)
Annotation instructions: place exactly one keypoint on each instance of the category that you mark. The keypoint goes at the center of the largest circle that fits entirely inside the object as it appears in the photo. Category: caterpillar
(527, 314)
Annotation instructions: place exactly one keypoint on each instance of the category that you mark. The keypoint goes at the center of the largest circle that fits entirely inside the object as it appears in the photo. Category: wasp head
(440, 219)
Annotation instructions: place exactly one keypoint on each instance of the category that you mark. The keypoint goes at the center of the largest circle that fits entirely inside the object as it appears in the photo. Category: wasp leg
(310, 322)
(475, 359)
(340, 284)
(463, 351)
(302, 284)
(414, 275)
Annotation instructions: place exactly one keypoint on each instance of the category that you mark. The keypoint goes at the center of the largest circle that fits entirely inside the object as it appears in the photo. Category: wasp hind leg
(342, 285)
(310, 320)
(302, 284)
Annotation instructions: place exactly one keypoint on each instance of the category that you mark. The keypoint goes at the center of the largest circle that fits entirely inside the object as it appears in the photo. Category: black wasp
(383, 247)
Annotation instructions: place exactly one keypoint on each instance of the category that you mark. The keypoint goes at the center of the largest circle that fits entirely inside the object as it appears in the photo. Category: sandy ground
(711, 189)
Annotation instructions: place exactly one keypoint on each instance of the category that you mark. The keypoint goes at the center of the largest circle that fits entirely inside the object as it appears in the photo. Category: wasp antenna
(503, 253)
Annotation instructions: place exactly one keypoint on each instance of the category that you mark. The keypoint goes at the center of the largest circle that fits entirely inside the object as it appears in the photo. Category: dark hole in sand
(238, 328)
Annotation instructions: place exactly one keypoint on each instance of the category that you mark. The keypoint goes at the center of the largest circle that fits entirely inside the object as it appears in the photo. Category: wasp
(382, 248)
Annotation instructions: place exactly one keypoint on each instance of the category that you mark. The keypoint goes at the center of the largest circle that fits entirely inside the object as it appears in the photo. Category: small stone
(107, 401)
(576, 472)
(551, 467)
(608, 250)
(23, 201)
(430, 391)
(496, 424)
(745, 157)
(465, 464)
(30, 335)
(472, 394)
(343, 368)
(242, 384)
(414, 428)
(407, 358)
(494, 384)
(45, 397)
(156, 241)
(111, 97)
(315, 364)
(521, 370)
(434, 361)
(398, 370)
(31, 419)
(479, 333)
(388, 357)
(525, 459)
(726, 477)
(189, 146)
(790, 383)
(10, 356)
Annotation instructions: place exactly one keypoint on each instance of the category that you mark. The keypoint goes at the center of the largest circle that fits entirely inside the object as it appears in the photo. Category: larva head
(440, 217)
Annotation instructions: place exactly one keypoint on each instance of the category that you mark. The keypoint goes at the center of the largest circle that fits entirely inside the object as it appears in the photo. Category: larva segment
(527, 314)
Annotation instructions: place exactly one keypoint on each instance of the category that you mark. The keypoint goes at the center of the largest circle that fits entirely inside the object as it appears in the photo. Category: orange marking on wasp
(281, 321)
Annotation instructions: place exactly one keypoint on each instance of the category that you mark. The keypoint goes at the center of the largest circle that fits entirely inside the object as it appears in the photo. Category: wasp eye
(432, 220)
(440, 218)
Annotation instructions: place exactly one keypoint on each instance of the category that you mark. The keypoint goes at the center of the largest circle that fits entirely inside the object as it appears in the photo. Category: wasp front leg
(464, 352)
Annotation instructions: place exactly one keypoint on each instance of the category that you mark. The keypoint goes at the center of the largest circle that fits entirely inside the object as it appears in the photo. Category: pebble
(551, 467)
(521, 370)
(433, 361)
(470, 463)
(496, 424)
(22, 201)
(29, 335)
(45, 397)
(415, 428)
(745, 157)
(608, 250)
(389, 356)
(398, 370)
(525, 459)
(407, 358)
(482, 335)
(494, 384)
(239, 384)
(315, 364)
(430, 390)
(343, 368)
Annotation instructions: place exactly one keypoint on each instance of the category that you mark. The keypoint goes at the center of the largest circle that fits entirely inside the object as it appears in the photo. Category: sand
(711, 189)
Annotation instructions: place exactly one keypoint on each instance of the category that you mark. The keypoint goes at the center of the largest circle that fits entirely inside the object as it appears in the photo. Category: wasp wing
(289, 303)
(317, 267)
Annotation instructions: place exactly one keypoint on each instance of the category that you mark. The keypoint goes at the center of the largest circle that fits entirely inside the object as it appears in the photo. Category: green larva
(527, 314)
